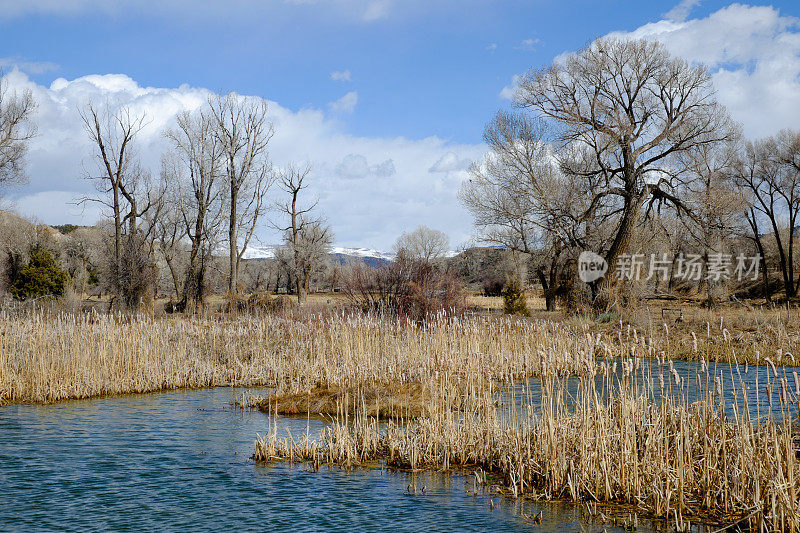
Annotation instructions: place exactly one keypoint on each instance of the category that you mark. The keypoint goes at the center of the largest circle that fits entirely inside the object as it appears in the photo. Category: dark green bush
(608, 316)
(40, 277)
(514, 302)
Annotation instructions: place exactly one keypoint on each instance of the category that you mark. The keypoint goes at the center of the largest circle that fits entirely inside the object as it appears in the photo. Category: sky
(386, 99)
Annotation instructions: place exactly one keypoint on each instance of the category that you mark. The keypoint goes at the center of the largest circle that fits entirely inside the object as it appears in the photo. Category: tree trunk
(622, 240)
(764, 274)
(788, 282)
(547, 291)
(751, 219)
(174, 274)
(233, 279)
(301, 289)
(117, 282)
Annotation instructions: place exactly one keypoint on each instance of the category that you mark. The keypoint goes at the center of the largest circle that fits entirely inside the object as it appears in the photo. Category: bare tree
(769, 174)
(303, 233)
(310, 249)
(714, 205)
(125, 189)
(521, 200)
(16, 129)
(196, 166)
(243, 131)
(627, 109)
(17, 237)
(81, 251)
(424, 244)
(166, 225)
(285, 269)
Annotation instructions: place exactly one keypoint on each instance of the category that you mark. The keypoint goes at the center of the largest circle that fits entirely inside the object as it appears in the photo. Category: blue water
(762, 387)
(180, 461)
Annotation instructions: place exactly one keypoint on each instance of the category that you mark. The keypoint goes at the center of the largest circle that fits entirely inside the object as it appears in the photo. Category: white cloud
(491, 47)
(341, 75)
(31, 67)
(507, 92)
(355, 166)
(345, 104)
(681, 11)
(39, 207)
(753, 54)
(376, 10)
(396, 194)
(449, 162)
(528, 45)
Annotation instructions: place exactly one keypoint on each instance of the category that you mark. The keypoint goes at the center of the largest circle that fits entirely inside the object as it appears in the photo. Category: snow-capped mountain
(363, 252)
(340, 252)
(260, 252)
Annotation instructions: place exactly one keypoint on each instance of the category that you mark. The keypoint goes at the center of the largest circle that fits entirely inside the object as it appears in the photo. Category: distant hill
(340, 255)
(373, 258)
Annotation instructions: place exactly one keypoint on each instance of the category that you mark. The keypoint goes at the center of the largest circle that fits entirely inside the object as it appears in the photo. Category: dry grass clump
(760, 341)
(378, 400)
(46, 358)
(611, 440)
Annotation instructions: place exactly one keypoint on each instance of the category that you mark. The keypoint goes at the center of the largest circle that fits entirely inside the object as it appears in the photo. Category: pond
(762, 387)
(180, 460)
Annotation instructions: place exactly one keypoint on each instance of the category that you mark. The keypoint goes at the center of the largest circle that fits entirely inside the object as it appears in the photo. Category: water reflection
(762, 388)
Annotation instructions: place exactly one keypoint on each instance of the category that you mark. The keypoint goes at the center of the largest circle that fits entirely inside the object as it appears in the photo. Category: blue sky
(425, 68)
(414, 70)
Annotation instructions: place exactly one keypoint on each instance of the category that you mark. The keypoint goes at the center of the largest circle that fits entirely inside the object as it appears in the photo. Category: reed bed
(735, 335)
(628, 436)
(46, 358)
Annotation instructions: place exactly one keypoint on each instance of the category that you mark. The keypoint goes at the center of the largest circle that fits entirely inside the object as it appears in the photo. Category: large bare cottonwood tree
(520, 199)
(125, 189)
(196, 166)
(626, 109)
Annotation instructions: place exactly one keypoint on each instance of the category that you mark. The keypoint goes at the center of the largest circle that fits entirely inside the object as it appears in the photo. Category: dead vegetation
(378, 400)
(435, 395)
(620, 440)
(52, 357)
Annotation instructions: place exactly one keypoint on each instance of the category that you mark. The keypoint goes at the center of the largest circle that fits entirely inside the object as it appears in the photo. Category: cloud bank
(370, 189)
(753, 55)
